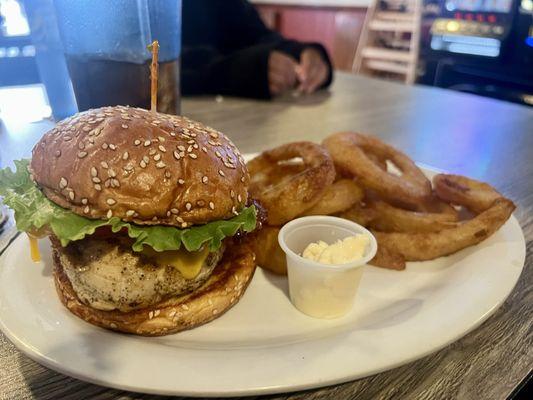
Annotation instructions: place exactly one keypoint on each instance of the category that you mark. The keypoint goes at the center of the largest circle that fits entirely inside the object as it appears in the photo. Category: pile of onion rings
(411, 220)
(356, 177)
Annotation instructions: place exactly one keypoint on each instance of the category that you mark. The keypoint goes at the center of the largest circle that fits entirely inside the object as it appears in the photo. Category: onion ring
(338, 197)
(285, 199)
(387, 258)
(393, 219)
(474, 195)
(268, 253)
(359, 214)
(428, 246)
(350, 151)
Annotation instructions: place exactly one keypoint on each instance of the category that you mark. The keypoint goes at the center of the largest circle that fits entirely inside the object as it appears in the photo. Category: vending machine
(483, 47)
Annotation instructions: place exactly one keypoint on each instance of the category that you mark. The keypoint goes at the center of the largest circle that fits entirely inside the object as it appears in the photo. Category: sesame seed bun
(144, 167)
(218, 294)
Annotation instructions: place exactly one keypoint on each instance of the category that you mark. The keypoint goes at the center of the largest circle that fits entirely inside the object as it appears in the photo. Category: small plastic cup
(316, 289)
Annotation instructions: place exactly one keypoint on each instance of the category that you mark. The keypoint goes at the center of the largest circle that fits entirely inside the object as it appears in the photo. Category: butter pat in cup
(316, 289)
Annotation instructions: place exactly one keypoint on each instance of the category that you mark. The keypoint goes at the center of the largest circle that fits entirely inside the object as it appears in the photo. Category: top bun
(140, 166)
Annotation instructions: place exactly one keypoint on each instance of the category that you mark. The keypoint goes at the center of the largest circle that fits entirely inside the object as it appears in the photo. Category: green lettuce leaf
(33, 212)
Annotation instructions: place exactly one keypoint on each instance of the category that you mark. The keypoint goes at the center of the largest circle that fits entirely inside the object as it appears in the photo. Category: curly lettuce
(35, 212)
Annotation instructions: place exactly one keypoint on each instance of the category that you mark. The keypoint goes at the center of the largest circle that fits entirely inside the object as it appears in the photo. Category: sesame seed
(184, 306)
(160, 164)
(105, 146)
(124, 126)
(109, 214)
(205, 179)
(161, 138)
(86, 210)
(86, 128)
(239, 198)
(234, 210)
(91, 140)
(82, 154)
(200, 203)
(129, 213)
(111, 173)
(107, 183)
(211, 205)
(147, 143)
(176, 155)
(162, 148)
(137, 142)
(84, 201)
(189, 149)
(188, 206)
(115, 183)
(172, 133)
(221, 173)
(67, 138)
(63, 183)
(179, 219)
(174, 211)
(167, 174)
(181, 148)
(242, 179)
(142, 164)
(204, 149)
(112, 146)
(111, 201)
(212, 143)
(71, 195)
(152, 152)
(98, 187)
(95, 179)
(217, 153)
(156, 313)
(150, 315)
(195, 146)
(184, 224)
(232, 194)
(191, 141)
(193, 156)
(181, 181)
(214, 135)
(81, 146)
(125, 156)
(157, 157)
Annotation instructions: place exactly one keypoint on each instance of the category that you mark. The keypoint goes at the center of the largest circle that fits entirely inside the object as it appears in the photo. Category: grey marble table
(482, 138)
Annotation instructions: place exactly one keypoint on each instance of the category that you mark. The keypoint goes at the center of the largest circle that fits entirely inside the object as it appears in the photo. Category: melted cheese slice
(188, 263)
(34, 249)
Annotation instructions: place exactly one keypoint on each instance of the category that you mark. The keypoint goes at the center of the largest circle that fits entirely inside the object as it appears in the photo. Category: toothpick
(154, 47)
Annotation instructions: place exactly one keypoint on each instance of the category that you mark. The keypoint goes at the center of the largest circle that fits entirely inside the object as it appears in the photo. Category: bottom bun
(219, 293)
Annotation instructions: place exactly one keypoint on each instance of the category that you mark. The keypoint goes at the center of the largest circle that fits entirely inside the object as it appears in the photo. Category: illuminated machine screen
(493, 6)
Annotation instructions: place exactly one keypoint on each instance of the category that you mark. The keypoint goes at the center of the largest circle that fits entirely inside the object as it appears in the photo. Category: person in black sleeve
(228, 50)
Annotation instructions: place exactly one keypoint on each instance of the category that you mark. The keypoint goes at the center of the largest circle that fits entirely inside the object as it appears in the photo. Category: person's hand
(281, 73)
(312, 71)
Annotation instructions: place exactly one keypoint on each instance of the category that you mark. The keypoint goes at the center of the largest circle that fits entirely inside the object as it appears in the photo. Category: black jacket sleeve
(234, 60)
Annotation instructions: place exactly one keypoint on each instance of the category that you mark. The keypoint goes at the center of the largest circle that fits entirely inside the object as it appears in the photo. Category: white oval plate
(263, 344)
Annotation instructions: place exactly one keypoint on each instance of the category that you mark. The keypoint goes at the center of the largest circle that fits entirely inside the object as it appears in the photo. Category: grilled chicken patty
(109, 275)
